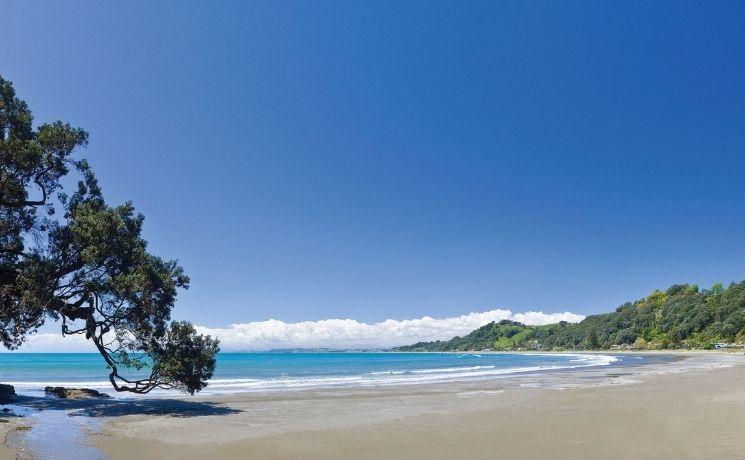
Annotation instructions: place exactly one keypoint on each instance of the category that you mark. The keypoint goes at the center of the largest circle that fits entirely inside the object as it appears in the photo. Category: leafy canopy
(75, 259)
(680, 317)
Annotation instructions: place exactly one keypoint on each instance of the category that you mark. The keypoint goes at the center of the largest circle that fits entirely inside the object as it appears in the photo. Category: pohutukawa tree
(72, 258)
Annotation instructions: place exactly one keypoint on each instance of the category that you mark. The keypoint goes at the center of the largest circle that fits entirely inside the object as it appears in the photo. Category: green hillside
(683, 316)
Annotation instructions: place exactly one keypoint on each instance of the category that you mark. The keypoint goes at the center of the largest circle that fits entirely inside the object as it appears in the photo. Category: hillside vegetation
(683, 316)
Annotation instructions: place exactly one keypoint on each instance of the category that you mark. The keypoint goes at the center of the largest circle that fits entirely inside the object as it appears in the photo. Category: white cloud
(328, 333)
(348, 333)
(57, 343)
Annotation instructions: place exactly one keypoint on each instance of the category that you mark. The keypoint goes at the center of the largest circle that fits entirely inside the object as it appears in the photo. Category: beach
(372, 230)
(670, 405)
(688, 408)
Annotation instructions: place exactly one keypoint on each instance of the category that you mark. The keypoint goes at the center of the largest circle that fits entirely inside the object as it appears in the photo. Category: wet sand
(12, 431)
(691, 408)
(6, 453)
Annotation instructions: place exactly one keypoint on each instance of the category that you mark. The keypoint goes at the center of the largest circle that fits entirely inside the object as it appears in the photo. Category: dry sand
(693, 408)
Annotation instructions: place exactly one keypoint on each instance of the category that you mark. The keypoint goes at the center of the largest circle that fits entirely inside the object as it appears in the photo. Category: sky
(366, 161)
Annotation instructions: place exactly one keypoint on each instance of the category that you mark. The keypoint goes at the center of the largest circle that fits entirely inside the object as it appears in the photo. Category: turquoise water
(239, 372)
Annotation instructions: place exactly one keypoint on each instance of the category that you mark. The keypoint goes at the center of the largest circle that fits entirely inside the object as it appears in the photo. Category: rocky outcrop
(74, 393)
(7, 393)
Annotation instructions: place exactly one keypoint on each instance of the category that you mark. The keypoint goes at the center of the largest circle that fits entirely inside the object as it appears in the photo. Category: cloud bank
(55, 343)
(328, 333)
(348, 333)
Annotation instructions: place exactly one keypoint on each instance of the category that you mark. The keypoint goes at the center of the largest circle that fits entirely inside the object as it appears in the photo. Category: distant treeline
(683, 316)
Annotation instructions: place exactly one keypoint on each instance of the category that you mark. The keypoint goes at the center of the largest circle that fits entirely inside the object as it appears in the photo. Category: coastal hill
(682, 316)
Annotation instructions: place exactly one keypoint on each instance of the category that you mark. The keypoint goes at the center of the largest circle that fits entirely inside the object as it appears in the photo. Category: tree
(592, 340)
(77, 260)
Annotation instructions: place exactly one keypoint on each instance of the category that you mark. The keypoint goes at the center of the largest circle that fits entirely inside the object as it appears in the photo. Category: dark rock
(7, 393)
(74, 393)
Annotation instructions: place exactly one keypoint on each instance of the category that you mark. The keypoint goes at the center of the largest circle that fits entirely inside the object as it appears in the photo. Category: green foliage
(75, 259)
(184, 359)
(683, 316)
(504, 335)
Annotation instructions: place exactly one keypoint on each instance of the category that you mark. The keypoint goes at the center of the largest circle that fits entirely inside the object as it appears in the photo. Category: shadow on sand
(118, 407)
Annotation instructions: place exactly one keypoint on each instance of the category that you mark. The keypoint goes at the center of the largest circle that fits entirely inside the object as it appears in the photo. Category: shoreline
(402, 370)
(34, 389)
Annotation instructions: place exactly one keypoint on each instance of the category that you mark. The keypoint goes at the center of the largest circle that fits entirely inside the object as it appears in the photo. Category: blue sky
(373, 160)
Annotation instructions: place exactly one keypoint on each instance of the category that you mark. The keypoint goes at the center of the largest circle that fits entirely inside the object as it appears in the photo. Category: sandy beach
(688, 408)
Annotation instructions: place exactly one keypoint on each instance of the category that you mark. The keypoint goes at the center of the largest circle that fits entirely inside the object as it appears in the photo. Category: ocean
(262, 371)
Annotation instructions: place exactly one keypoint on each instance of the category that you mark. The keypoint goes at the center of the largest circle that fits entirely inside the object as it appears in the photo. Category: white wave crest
(381, 378)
